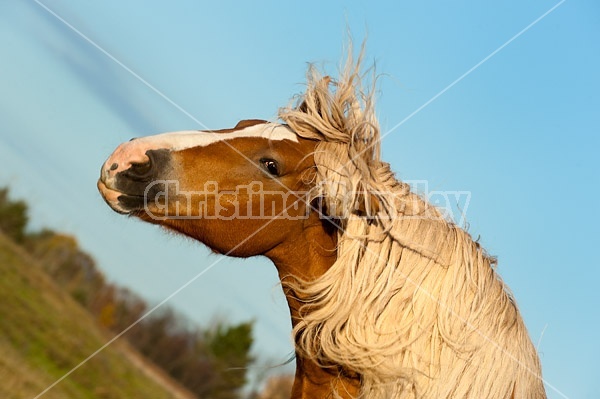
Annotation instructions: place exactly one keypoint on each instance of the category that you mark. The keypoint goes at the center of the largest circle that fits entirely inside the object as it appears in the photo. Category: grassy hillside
(44, 333)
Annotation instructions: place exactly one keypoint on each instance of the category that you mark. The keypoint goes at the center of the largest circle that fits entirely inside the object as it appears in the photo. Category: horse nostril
(141, 169)
(155, 166)
(114, 166)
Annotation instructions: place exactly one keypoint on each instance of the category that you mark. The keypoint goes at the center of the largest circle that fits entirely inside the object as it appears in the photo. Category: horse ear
(248, 122)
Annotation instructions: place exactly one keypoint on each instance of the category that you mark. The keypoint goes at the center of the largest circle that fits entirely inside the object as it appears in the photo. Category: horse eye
(271, 166)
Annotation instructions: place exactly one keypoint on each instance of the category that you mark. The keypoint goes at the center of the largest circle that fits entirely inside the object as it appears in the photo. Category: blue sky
(520, 133)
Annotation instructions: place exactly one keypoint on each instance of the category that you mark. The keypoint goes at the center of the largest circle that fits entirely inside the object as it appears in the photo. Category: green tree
(13, 216)
(230, 347)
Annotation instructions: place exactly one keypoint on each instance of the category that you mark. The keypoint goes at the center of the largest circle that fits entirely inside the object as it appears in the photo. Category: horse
(388, 298)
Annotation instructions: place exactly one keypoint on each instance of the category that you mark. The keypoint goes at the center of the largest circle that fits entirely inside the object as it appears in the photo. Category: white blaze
(181, 140)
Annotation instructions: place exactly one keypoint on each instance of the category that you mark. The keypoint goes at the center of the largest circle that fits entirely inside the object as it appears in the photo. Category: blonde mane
(412, 303)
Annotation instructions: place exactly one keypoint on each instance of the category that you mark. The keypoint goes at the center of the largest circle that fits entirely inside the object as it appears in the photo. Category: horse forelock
(412, 303)
(340, 115)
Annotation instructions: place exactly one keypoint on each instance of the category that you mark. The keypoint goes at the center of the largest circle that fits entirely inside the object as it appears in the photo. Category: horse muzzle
(129, 181)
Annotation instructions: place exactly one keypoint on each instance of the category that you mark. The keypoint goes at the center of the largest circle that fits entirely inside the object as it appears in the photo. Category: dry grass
(44, 333)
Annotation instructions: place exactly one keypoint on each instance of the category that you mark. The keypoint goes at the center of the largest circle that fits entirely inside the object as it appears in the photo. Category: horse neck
(309, 253)
(305, 256)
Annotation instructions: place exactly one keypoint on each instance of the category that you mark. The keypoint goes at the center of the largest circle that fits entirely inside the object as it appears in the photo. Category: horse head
(243, 191)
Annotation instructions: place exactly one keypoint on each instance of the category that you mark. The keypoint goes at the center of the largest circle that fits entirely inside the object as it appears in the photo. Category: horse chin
(131, 203)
